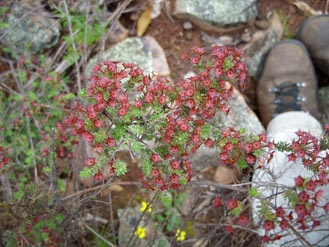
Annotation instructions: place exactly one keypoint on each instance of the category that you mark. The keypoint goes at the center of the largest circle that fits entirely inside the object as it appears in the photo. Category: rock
(262, 24)
(30, 30)
(240, 115)
(224, 40)
(156, 8)
(128, 218)
(117, 33)
(246, 37)
(227, 175)
(187, 25)
(215, 15)
(323, 103)
(260, 44)
(144, 51)
(282, 172)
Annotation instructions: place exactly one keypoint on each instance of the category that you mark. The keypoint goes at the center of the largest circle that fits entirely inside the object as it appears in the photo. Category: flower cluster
(125, 107)
(307, 194)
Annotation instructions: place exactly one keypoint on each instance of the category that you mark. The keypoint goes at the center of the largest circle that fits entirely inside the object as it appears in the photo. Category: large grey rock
(214, 15)
(277, 177)
(128, 219)
(35, 30)
(145, 52)
(260, 44)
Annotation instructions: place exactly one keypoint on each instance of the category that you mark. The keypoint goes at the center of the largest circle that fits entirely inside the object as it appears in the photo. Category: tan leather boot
(288, 82)
(314, 34)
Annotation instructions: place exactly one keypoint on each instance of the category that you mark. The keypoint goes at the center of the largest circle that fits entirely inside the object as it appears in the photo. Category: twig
(98, 235)
(101, 187)
(221, 186)
(33, 150)
(139, 220)
(111, 213)
(73, 44)
(115, 15)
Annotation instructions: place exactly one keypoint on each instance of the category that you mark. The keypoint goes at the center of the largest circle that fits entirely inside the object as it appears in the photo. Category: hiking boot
(314, 34)
(288, 82)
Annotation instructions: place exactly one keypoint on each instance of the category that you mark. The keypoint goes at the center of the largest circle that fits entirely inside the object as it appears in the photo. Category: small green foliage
(120, 167)
(242, 163)
(253, 192)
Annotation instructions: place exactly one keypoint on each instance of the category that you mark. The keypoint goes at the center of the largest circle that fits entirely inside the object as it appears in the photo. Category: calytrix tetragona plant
(162, 122)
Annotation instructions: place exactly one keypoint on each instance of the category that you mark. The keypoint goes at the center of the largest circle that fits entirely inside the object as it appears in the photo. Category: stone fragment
(224, 40)
(117, 33)
(246, 37)
(260, 44)
(145, 52)
(187, 25)
(262, 24)
(227, 175)
(128, 219)
(29, 29)
(215, 15)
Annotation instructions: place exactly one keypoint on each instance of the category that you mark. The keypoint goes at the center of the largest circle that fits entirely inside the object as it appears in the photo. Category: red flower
(268, 225)
(138, 103)
(280, 212)
(301, 210)
(299, 181)
(110, 142)
(243, 220)
(217, 202)
(155, 173)
(265, 239)
(229, 229)
(209, 143)
(284, 224)
(174, 178)
(98, 123)
(303, 196)
(122, 111)
(232, 204)
(175, 164)
(90, 161)
(155, 157)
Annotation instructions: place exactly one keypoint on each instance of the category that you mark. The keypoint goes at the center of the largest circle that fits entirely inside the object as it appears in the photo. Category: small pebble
(187, 25)
(246, 37)
(262, 24)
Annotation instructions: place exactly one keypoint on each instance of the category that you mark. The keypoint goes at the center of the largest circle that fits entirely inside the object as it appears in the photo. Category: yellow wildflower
(180, 235)
(140, 232)
(144, 206)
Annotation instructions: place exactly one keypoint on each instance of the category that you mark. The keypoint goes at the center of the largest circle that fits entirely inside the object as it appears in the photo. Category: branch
(98, 235)
(73, 44)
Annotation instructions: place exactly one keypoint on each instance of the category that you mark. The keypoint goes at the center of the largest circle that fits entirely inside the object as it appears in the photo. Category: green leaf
(59, 218)
(136, 146)
(253, 192)
(242, 163)
(4, 25)
(205, 130)
(120, 167)
(61, 185)
(32, 95)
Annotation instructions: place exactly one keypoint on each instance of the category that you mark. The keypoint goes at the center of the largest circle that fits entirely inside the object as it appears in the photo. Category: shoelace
(288, 89)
